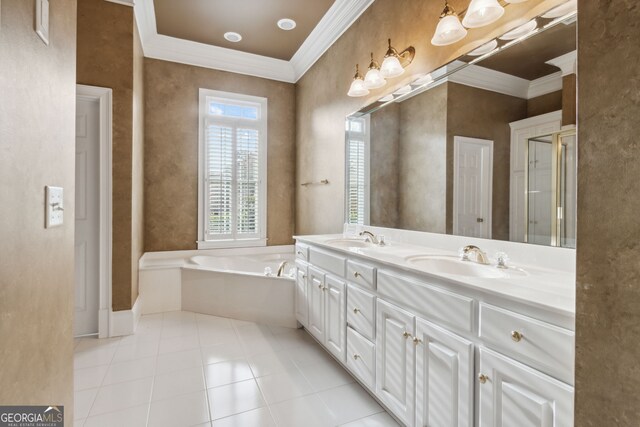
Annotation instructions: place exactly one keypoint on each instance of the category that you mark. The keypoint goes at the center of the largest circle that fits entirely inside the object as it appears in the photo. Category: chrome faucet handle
(381, 241)
(502, 259)
(463, 253)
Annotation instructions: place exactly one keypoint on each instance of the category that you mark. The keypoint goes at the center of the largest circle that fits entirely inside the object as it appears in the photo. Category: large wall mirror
(483, 147)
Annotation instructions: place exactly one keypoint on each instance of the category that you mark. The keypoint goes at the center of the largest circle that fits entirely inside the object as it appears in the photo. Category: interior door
(316, 303)
(395, 374)
(87, 217)
(335, 322)
(444, 377)
(540, 191)
(472, 187)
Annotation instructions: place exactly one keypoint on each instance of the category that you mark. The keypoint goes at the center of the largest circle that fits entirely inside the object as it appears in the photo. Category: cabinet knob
(516, 336)
(356, 274)
(356, 356)
(406, 334)
(417, 341)
(320, 287)
(356, 310)
(304, 276)
(300, 253)
(483, 378)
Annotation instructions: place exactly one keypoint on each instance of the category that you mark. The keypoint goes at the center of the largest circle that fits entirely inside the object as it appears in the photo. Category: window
(357, 180)
(232, 184)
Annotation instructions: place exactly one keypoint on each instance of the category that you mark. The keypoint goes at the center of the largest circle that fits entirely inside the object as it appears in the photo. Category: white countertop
(546, 288)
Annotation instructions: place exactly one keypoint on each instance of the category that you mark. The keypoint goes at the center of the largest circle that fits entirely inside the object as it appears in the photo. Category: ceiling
(206, 21)
(528, 59)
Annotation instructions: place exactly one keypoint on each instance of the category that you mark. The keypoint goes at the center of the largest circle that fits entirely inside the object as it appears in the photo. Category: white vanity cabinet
(301, 290)
(316, 302)
(335, 324)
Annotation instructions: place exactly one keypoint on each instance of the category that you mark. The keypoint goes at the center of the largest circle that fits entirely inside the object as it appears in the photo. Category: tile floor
(186, 369)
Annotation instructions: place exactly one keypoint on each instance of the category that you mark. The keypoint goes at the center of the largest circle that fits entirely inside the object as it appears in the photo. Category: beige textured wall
(423, 161)
(384, 172)
(106, 59)
(37, 148)
(137, 163)
(544, 104)
(171, 151)
(483, 114)
(322, 103)
(608, 274)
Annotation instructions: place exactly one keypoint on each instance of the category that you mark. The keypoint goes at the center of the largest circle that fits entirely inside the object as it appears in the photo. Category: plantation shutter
(357, 187)
(248, 181)
(219, 161)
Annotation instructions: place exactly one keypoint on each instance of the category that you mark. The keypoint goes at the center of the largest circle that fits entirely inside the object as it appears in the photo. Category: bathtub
(237, 286)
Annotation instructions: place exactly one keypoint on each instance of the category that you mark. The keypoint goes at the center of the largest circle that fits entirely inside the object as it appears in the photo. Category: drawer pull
(356, 310)
(300, 253)
(356, 356)
(417, 341)
(406, 334)
(356, 274)
(516, 336)
(483, 378)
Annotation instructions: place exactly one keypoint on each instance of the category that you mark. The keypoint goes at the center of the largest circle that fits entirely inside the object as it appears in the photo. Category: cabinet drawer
(361, 311)
(361, 274)
(302, 252)
(330, 262)
(546, 347)
(361, 358)
(442, 306)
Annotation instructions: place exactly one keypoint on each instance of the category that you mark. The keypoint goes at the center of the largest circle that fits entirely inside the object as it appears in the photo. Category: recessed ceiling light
(286, 24)
(233, 37)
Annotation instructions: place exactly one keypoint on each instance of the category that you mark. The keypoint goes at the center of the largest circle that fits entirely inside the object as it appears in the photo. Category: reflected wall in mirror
(484, 147)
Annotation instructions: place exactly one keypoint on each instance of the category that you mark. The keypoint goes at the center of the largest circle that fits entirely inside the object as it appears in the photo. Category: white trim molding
(104, 97)
(567, 63)
(125, 322)
(335, 22)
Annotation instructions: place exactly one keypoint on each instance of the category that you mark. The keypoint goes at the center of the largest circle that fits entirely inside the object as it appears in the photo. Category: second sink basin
(453, 266)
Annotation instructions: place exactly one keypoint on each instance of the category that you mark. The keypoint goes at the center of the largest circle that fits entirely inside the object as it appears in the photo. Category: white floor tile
(227, 372)
(94, 356)
(177, 383)
(176, 361)
(137, 350)
(222, 353)
(234, 398)
(129, 417)
(131, 370)
(95, 342)
(283, 386)
(307, 411)
(294, 338)
(378, 420)
(349, 403)
(270, 363)
(326, 375)
(119, 396)
(309, 355)
(89, 377)
(180, 411)
(179, 343)
(83, 400)
(204, 320)
(260, 417)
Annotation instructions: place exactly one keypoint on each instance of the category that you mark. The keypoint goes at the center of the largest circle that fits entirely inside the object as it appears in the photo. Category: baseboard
(124, 322)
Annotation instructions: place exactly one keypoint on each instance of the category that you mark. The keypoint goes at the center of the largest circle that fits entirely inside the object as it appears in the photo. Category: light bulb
(391, 67)
(482, 12)
(449, 29)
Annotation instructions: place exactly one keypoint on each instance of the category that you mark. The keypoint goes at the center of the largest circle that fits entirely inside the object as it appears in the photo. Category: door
(395, 374)
(302, 308)
(512, 394)
(540, 208)
(444, 377)
(87, 217)
(472, 187)
(315, 292)
(335, 322)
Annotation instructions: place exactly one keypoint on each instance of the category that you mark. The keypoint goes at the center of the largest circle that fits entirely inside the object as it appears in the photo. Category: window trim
(367, 173)
(203, 115)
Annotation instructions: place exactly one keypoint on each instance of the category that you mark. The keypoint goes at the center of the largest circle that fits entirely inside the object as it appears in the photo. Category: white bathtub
(236, 286)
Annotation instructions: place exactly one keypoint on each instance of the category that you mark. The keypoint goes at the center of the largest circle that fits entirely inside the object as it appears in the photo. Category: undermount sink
(350, 243)
(455, 267)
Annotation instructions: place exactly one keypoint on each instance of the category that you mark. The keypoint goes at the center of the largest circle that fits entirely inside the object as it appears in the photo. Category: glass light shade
(374, 79)
(448, 31)
(391, 67)
(482, 12)
(358, 88)
(563, 9)
(520, 31)
(484, 49)
(515, 1)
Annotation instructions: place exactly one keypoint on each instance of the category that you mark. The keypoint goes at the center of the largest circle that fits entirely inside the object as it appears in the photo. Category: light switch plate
(54, 202)
(42, 20)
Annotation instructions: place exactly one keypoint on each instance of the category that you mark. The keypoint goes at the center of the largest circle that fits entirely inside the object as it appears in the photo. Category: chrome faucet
(480, 257)
(281, 268)
(370, 237)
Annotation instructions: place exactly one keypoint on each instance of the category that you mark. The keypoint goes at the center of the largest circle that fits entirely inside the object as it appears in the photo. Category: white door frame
(485, 143)
(104, 98)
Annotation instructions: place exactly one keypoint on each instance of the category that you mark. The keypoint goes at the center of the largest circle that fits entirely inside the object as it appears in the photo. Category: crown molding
(545, 85)
(130, 3)
(495, 81)
(335, 22)
(567, 63)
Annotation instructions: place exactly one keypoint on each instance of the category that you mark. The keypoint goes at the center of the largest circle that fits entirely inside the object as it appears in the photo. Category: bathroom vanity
(440, 341)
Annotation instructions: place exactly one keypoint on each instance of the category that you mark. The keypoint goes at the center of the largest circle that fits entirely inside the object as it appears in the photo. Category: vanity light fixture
(520, 31)
(482, 12)
(449, 29)
(515, 1)
(358, 87)
(484, 49)
(394, 63)
(562, 10)
(373, 79)
(233, 36)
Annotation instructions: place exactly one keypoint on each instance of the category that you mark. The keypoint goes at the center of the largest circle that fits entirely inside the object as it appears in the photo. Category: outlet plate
(54, 206)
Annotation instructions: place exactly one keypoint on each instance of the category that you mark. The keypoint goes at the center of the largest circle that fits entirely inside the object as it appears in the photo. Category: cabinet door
(315, 295)
(395, 374)
(444, 377)
(302, 307)
(335, 322)
(512, 394)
